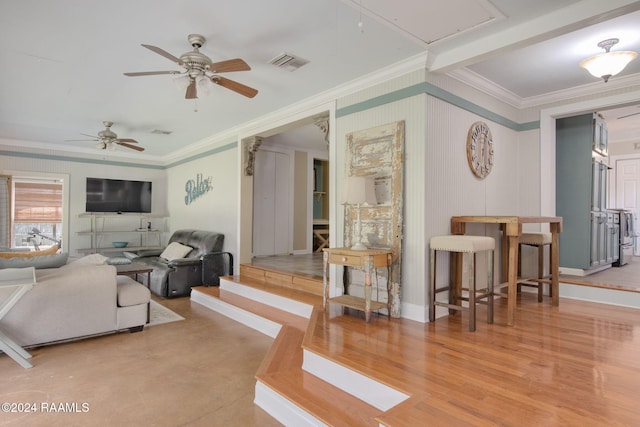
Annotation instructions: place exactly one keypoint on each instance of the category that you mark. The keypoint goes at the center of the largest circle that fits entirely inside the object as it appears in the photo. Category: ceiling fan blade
(163, 53)
(247, 91)
(81, 140)
(133, 147)
(150, 73)
(229, 65)
(126, 140)
(191, 90)
(90, 136)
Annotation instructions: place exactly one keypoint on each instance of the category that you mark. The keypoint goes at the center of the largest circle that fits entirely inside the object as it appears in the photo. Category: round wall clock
(480, 149)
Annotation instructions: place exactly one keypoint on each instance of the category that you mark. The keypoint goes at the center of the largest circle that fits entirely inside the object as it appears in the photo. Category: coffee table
(133, 270)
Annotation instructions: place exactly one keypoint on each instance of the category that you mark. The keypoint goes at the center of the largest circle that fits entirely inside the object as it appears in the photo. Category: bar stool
(463, 244)
(539, 241)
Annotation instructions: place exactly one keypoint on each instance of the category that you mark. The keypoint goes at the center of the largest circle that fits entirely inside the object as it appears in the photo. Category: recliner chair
(176, 277)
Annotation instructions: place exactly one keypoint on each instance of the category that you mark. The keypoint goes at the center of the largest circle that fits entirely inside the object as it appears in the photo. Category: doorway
(271, 196)
(283, 186)
(548, 138)
(627, 194)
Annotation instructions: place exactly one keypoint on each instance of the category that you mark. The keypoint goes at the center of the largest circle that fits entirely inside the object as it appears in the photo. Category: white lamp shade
(359, 190)
(204, 86)
(182, 82)
(608, 64)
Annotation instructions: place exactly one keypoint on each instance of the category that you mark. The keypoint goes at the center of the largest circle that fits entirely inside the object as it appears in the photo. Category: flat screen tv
(118, 195)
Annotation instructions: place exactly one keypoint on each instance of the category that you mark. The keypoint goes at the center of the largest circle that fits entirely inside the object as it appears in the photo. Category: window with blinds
(37, 203)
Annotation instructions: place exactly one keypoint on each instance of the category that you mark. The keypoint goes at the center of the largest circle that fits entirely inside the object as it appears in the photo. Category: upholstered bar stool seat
(538, 240)
(462, 244)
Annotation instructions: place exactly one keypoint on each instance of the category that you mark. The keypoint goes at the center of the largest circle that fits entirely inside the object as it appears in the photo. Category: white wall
(217, 210)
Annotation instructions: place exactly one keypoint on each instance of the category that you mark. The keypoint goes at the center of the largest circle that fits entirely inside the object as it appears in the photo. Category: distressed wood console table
(369, 260)
(511, 227)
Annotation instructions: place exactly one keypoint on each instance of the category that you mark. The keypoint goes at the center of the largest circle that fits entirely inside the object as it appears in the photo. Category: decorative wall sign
(195, 188)
(480, 149)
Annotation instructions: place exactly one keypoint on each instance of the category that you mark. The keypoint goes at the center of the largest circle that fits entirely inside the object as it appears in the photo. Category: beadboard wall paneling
(529, 175)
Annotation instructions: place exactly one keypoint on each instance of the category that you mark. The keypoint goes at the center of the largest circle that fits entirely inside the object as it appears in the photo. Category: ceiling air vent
(288, 62)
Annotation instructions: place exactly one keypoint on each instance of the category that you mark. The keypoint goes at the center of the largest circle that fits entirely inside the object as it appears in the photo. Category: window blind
(37, 202)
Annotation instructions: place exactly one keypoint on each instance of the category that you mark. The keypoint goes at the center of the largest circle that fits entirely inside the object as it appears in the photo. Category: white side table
(23, 280)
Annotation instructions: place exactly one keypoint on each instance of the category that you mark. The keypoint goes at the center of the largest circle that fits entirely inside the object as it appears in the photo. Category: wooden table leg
(325, 287)
(368, 268)
(513, 278)
(504, 265)
(555, 265)
(389, 283)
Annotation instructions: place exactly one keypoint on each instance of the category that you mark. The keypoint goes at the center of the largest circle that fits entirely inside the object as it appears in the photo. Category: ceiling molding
(478, 82)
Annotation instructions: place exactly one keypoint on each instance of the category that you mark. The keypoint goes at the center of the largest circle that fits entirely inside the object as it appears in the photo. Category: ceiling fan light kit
(200, 72)
(608, 64)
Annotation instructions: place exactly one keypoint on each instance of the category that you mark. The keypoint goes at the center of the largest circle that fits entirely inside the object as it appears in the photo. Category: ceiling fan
(200, 71)
(106, 138)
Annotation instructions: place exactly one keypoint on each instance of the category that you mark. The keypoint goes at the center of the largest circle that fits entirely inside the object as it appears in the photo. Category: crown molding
(479, 82)
(310, 105)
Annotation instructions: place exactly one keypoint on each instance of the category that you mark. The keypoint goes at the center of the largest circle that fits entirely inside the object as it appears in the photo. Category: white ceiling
(63, 61)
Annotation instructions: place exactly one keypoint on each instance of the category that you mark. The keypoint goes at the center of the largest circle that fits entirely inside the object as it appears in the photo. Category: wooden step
(281, 370)
(276, 289)
(286, 279)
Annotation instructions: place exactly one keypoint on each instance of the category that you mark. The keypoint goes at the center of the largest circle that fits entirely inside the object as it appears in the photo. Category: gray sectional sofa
(74, 301)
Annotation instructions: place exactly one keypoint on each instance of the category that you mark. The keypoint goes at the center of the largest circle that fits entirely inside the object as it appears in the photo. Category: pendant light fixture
(608, 64)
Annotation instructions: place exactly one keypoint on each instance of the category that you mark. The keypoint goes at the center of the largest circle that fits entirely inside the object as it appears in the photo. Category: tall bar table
(511, 227)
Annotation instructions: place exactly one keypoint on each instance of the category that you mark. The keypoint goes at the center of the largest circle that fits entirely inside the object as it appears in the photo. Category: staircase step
(281, 377)
(301, 282)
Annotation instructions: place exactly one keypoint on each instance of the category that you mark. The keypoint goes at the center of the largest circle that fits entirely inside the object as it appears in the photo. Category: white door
(628, 188)
(271, 187)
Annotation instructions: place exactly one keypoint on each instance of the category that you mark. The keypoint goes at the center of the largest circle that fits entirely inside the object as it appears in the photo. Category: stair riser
(275, 301)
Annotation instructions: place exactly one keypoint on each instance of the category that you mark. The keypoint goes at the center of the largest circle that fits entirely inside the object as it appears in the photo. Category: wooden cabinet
(599, 172)
(600, 142)
(612, 237)
(132, 228)
(581, 192)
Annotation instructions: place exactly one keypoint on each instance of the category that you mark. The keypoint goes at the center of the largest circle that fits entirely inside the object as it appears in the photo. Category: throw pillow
(28, 254)
(175, 250)
(118, 260)
(39, 262)
(130, 255)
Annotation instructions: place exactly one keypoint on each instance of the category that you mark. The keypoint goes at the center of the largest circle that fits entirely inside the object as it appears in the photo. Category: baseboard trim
(247, 318)
(272, 300)
(364, 388)
(282, 409)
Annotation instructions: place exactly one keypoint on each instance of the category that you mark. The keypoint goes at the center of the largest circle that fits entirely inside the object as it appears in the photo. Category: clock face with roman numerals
(480, 149)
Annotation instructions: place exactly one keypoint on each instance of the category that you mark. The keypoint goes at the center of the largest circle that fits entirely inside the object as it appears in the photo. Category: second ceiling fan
(200, 72)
